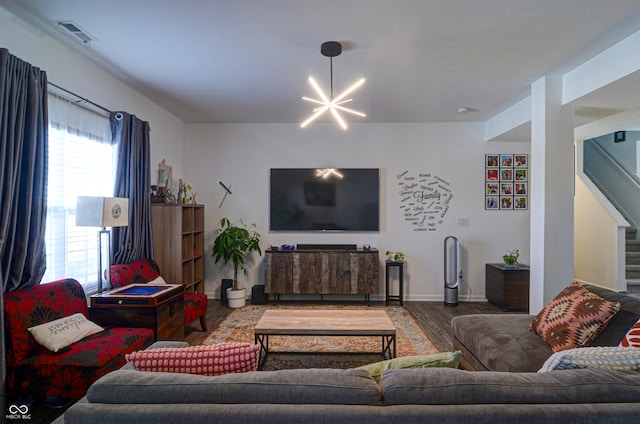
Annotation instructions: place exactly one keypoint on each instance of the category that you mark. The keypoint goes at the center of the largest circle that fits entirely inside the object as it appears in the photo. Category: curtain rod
(79, 97)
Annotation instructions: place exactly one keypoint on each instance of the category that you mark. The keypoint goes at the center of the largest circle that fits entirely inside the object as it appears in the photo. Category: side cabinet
(321, 272)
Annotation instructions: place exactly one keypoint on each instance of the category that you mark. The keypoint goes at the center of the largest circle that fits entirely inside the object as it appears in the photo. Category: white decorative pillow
(62, 332)
(158, 281)
(632, 338)
(610, 357)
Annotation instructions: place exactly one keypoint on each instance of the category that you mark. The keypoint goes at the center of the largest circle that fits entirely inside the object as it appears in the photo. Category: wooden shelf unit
(178, 244)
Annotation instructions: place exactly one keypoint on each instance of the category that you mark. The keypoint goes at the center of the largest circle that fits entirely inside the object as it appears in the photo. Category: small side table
(400, 266)
(508, 286)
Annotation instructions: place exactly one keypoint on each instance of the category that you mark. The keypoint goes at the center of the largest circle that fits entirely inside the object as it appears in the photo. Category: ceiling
(248, 61)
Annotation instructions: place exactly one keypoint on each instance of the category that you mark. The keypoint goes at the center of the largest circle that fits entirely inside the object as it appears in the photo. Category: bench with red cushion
(145, 270)
(35, 371)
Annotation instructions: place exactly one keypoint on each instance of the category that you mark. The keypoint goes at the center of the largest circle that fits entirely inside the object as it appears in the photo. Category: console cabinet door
(336, 273)
(364, 273)
(278, 273)
(307, 272)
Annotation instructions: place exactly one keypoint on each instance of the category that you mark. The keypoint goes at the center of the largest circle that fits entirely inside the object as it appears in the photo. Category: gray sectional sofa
(429, 395)
(438, 395)
(503, 342)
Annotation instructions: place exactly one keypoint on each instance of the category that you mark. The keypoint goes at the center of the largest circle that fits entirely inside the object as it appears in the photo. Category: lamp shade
(102, 211)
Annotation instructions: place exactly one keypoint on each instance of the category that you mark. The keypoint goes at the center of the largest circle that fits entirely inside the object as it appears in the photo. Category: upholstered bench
(33, 371)
(146, 271)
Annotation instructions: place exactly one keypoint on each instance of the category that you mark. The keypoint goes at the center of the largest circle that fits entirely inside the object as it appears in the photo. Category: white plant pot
(236, 298)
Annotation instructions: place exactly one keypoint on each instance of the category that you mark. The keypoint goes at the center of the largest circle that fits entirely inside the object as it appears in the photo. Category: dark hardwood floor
(433, 317)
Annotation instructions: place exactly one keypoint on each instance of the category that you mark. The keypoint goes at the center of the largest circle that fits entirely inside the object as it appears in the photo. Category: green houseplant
(233, 243)
(511, 258)
(394, 256)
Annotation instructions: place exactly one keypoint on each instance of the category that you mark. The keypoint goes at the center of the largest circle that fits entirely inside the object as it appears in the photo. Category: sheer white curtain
(81, 163)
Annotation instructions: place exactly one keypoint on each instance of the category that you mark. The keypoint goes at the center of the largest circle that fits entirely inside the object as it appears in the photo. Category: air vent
(74, 30)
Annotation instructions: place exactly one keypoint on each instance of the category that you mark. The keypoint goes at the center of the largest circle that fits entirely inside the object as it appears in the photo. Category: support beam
(509, 121)
(551, 184)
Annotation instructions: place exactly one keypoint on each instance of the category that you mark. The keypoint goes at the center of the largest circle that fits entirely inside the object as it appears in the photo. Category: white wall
(599, 233)
(241, 156)
(69, 70)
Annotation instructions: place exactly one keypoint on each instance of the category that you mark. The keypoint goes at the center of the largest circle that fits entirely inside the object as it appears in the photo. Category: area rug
(323, 351)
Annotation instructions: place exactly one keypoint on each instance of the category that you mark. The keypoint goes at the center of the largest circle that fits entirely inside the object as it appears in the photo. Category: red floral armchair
(34, 372)
(146, 270)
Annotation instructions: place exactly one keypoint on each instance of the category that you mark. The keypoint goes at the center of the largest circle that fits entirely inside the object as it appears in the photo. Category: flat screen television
(327, 199)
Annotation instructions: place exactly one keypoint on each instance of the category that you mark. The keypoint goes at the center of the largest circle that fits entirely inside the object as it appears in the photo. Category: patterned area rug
(238, 327)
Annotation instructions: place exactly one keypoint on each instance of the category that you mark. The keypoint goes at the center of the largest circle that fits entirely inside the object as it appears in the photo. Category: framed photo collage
(506, 181)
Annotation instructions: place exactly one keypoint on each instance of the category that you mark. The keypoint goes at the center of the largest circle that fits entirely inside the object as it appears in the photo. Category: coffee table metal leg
(263, 341)
(387, 342)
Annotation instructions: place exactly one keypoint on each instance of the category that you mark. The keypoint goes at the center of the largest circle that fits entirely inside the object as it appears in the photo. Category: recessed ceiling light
(465, 109)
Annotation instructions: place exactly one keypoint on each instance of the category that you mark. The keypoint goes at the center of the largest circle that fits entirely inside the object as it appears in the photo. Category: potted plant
(234, 243)
(511, 258)
(394, 256)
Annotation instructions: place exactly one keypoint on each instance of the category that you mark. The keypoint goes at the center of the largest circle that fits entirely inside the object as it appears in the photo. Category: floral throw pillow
(573, 318)
(217, 359)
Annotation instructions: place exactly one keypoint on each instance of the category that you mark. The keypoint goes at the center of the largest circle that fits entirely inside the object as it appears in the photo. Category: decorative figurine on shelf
(165, 176)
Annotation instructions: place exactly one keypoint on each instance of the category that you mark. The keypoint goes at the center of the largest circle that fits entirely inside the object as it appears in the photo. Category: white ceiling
(247, 61)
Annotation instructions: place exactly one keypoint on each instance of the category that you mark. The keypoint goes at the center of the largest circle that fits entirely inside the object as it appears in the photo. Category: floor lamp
(102, 212)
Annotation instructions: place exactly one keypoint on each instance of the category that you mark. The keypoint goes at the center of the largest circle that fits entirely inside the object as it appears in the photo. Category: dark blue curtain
(133, 181)
(23, 179)
(23, 172)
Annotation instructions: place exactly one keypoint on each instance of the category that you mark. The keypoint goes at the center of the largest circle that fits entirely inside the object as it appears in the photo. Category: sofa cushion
(60, 333)
(608, 357)
(446, 386)
(299, 386)
(629, 313)
(501, 342)
(442, 359)
(573, 318)
(217, 359)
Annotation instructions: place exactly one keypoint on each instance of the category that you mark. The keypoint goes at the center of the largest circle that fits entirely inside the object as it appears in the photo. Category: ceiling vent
(75, 31)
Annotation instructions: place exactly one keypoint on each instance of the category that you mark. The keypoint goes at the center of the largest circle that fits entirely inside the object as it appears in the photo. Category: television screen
(328, 199)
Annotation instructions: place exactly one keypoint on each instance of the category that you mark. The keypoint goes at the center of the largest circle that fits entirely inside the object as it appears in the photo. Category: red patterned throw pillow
(573, 318)
(217, 359)
(632, 338)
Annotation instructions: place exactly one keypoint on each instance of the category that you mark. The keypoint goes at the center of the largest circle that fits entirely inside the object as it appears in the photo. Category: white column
(551, 188)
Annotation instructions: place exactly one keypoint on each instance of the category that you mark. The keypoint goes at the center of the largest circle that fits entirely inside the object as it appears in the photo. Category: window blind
(81, 163)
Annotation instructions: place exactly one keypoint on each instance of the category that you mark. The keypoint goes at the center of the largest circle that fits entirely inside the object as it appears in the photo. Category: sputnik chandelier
(332, 104)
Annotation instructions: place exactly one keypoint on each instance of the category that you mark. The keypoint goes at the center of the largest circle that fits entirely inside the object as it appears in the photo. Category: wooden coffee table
(324, 322)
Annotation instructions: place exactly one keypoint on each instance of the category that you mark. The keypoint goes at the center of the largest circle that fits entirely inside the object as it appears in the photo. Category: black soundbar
(327, 247)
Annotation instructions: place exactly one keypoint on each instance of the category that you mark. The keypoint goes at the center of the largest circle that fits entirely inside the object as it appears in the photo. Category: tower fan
(452, 271)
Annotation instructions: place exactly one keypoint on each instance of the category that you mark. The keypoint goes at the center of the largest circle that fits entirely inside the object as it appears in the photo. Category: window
(81, 163)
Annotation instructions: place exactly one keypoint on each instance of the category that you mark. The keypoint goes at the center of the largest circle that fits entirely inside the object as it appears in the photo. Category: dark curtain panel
(23, 179)
(131, 135)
